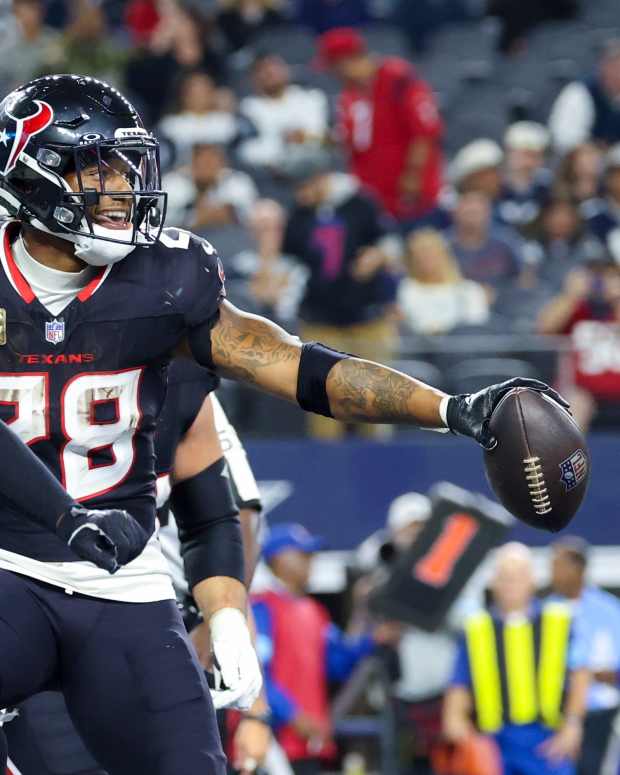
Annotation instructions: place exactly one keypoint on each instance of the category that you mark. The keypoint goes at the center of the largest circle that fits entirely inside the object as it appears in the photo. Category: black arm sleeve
(28, 484)
(209, 530)
(314, 366)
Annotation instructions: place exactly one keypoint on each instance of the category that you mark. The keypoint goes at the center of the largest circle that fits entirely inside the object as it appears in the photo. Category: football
(540, 467)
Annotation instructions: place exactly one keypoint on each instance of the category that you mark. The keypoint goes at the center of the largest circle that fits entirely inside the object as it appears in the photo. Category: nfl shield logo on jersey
(55, 331)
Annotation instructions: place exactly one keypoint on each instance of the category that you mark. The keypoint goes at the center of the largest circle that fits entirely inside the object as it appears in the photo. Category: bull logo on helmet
(16, 133)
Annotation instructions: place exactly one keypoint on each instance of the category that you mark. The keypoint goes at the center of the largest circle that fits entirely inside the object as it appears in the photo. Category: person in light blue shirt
(597, 618)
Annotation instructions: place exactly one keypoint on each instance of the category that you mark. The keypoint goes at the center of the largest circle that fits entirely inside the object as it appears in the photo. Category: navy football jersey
(188, 386)
(84, 388)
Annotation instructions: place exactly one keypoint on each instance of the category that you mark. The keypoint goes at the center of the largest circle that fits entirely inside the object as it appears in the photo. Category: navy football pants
(132, 685)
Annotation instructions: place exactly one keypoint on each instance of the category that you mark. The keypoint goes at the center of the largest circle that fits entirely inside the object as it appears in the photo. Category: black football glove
(108, 537)
(469, 413)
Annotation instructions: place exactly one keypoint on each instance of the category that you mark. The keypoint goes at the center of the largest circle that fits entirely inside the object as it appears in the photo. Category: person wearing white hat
(406, 517)
(477, 167)
(526, 181)
(425, 658)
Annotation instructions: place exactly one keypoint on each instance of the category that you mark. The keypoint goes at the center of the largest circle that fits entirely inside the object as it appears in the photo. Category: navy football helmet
(62, 124)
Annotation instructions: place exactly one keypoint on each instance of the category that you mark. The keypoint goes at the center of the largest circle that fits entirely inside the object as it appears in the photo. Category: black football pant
(133, 686)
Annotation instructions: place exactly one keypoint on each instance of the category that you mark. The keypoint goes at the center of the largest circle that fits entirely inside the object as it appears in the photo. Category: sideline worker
(522, 670)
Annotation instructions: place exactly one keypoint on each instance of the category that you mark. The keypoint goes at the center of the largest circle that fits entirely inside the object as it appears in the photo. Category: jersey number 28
(99, 414)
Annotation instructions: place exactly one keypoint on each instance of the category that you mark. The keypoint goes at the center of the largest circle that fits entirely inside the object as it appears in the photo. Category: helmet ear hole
(23, 186)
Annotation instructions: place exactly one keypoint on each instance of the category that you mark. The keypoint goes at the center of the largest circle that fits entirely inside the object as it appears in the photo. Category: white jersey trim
(144, 580)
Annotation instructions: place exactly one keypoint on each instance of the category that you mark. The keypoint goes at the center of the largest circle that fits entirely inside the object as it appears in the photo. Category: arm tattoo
(368, 392)
(253, 349)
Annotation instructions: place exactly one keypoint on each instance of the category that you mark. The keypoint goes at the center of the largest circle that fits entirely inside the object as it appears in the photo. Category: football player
(41, 737)
(95, 297)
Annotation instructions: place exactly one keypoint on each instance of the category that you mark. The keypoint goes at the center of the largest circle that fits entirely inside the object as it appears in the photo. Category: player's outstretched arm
(255, 350)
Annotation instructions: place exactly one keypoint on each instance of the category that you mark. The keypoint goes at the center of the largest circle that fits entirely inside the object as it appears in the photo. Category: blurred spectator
(389, 124)
(478, 167)
(490, 254)
(263, 280)
(579, 172)
(422, 19)
(240, 21)
(141, 18)
(559, 232)
(182, 40)
(425, 658)
(301, 650)
(526, 180)
(27, 45)
(597, 613)
(88, 48)
(324, 15)
(290, 121)
(208, 193)
(518, 17)
(603, 215)
(518, 698)
(201, 116)
(434, 298)
(336, 231)
(589, 109)
(588, 308)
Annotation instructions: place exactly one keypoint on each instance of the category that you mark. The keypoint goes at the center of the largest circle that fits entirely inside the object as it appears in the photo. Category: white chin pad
(100, 252)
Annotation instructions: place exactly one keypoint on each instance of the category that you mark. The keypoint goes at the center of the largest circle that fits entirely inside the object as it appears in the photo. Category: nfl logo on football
(55, 331)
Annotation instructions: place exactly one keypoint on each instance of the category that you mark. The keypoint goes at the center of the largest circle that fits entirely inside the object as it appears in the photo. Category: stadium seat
(313, 78)
(296, 45)
(466, 125)
(228, 240)
(471, 375)
(556, 40)
(387, 40)
(422, 370)
(467, 40)
(602, 13)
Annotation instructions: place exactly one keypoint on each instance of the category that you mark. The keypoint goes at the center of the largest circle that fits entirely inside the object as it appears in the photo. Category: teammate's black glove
(469, 413)
(108, 537)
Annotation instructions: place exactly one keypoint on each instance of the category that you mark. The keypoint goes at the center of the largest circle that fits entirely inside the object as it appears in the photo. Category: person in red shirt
(588, 309)
(389, 124)
(302, 649)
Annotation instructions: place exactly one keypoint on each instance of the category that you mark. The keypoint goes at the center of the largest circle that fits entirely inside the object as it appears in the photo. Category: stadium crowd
(345, 190)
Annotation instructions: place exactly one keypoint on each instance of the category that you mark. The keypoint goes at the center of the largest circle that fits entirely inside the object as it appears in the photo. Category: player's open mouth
(113, 219)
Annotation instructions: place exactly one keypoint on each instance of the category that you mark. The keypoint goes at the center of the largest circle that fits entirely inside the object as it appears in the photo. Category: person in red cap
(389, 123)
